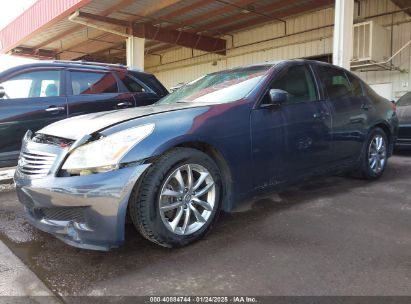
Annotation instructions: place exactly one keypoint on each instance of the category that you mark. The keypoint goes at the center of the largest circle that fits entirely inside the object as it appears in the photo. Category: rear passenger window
(152, 82)
(93, 83)
(132, 85)
(298, 82)
(335, 82)
(355, 85)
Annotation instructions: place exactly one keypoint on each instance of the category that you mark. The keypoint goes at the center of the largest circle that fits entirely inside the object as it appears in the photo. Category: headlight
(105, 154)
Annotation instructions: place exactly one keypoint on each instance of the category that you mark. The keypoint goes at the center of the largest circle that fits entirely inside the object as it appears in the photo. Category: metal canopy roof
(44, 30)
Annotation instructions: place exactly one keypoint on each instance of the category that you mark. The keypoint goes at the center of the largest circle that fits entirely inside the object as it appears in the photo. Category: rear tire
(178, 200)
(374, 159)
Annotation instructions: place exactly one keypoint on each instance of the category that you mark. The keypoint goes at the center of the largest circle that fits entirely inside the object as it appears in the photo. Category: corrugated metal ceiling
(73, 37)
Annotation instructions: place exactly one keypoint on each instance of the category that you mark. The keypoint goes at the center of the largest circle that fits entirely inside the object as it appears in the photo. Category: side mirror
(278, 96)
(2, 92)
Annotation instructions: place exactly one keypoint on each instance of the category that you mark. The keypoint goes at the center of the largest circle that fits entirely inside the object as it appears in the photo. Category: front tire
(178, 200)
(374, 160)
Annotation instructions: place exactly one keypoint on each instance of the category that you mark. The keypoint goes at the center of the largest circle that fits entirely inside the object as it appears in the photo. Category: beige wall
(401, 32)
(266, 43)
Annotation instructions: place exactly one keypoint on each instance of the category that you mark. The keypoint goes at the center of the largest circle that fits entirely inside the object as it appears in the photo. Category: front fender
(168, 132)
(223, 127)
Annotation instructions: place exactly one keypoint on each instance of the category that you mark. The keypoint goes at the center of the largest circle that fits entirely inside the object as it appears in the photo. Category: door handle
(365, 106)
(55, 109)
(124, 104)
(322, 115)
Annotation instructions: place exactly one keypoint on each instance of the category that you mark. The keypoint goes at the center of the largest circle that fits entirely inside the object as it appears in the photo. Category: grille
(75, 214)
(36, 164)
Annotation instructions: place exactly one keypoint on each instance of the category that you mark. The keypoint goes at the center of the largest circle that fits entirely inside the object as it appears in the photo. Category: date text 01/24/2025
(203, 299)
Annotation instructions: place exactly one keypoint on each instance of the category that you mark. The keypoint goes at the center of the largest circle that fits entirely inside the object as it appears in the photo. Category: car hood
(76, 127)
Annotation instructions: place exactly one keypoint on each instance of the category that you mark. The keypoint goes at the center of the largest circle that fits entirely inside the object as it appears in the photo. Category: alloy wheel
(377, 154)
(187, 199)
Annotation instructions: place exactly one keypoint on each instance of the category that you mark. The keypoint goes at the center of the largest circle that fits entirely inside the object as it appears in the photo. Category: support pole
(343, 33)
(135, 53)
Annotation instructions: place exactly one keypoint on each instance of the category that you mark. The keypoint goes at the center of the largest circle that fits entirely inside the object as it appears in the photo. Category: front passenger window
(298, 82)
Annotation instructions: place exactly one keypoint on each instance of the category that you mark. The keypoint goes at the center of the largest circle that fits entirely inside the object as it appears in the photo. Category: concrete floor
(16, 280)
(6, 175)
(333, 236)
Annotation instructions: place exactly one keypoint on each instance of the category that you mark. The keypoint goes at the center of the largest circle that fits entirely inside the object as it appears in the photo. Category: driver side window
(33, 84)
(298, 82)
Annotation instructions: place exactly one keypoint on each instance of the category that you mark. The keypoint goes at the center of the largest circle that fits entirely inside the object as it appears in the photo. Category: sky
(13, 9)
(8, 13)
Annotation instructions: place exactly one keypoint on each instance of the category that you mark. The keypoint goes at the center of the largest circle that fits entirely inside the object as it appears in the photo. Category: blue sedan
(175, 165)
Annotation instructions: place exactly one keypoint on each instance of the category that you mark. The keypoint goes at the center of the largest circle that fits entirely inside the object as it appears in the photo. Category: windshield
(404, 100)
(221, 87)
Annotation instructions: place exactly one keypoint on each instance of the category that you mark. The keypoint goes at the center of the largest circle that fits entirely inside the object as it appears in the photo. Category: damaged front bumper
(83, 211)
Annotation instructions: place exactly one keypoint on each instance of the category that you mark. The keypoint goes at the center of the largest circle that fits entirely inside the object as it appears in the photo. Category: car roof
(274, 63)
(71, 64)
(307, 61)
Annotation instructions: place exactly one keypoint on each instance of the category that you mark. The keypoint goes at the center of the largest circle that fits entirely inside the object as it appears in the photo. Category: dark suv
(35, 95)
